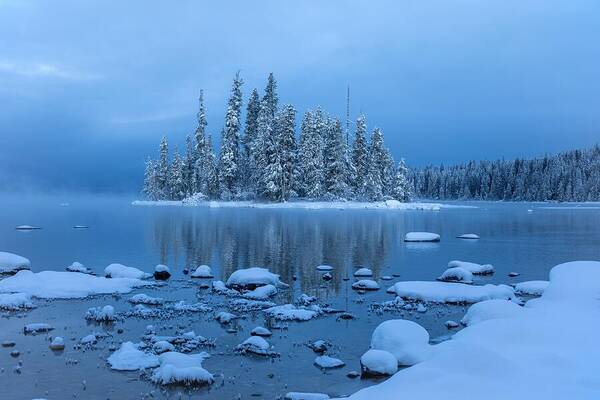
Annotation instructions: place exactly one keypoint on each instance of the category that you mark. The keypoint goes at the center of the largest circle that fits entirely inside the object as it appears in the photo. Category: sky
(88, 88)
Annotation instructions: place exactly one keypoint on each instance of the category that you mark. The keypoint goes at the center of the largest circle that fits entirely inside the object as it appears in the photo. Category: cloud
(44, 70)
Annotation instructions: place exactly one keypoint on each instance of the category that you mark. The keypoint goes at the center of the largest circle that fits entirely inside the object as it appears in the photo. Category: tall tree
(270, 97)
(150, 189)
(249, 140)
(360, 158)
(189, 166)
(334, 158)
(401, 188)
(286, 133)
(200, 147)
(176, 183)
(229, 156)
(310, 155)
(162, 176)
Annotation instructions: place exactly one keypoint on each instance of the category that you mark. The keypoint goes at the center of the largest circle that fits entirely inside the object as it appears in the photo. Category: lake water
(521, 237)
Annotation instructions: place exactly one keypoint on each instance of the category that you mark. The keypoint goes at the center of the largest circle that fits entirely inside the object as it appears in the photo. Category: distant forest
(569, 176)
(267, 160)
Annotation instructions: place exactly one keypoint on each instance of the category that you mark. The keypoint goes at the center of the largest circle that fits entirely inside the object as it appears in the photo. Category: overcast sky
(87, 88)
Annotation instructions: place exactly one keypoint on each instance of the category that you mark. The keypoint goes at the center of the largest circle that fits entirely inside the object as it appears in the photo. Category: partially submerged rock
(224, 317)
(474, 268)
(101, 314)
(256, 345)
(182, 369)
(532, 288)
(261, 292)
(446, 292)
(11, 263)
(363, 272)
(261, 331)
(421, 237)
(143, 298)
(130, 358)
(406, 340)
(37, 327)
(327, 362)
(202, 272)
(79, 267)
(378, 363)
(456, 274)
(471, 236)
(324, 268)
(162, 272)
(123, 271)
(305, 396)
(288, 312)
(57, 344)
(365, 284)
(251, 278)
(15, 301)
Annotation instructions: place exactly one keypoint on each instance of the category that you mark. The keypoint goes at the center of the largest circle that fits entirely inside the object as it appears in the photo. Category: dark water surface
(288, 242)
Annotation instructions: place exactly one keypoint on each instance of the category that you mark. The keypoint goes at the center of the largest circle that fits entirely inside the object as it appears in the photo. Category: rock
(260, 331)
(365, 284)
(8, 343)
(254, 344)
(406, 340)
(513, 274)
(327, 276)
(318, 346)
(324, 268)
(363, 272)
(352, 374)
(225, 317)
(161, 272)
(15, 353)
(57, 344)
(203, 272)
(386, 278)
(451, 324)
(37, 328)
(327, 362)
(378, 363)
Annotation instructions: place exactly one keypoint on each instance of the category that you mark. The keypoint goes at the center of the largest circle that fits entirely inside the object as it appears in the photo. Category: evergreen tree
(189, 167)
(162, 175)
(200, 152)
(360, 158)
(401, 188)
(176, 183)
(229, 156)
(270, 97)
(334, 155)
(310, 156)
(249, 140)
(150, 189)
(286, 133)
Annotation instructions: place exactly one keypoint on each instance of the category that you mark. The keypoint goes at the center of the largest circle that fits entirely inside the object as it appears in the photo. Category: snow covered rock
(143, 298)
(289, 312)
(101, 314)
(224, 317)
(532, 288)
(468, 236)
(261, 331)
(15, 301)
(261, 292)
(219, 287)
(79, 267)
(406, 340)
(254, 344)
(129, 358)
(27, 228)
(363, 272)
(324, 268)
(305, 396)
(365, 284)
(57, 344)
(12, 263)
(456, 274)
(88, 340)
(162, 272)
(250, 278)
(37, 327)
(305, 300)
(474, 268)
(65, 285)
(327, 276)
(378, 363)
(162, 346)
(491, 309)
(445, 292)
(182, 368)
(318, 346)
(451, 324)
(123, 271)
(421, 237)
(203, 271)
(327, 362)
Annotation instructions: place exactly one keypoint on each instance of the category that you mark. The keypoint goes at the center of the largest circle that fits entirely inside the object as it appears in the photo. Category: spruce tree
(189, 167)
(162, 176)
(200, 148)
(286, 134)
(150, 189)
(270, 97)
(360, 158)
(310, 155)
(249, 140)
(229, 167)
(401, 189)
(334, 158)
(176, 183)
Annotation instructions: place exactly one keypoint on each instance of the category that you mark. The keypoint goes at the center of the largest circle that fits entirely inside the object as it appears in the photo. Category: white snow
(101, 314)
(365, 284)
(474, 268)
(182, 368)
(224, 317)
(203, 271)
(468, 236)
(15, 301)
(445, 292)
(379, 362)
(89, 339)
(456, 274)
(363, 272)
(11, 263)
(143, 298)
(123, 271)
(66, 285)
(37, 327)
(261, 292)
(129, 358)
(261, 331)
(324, 268)
(255, 344)
(305, 396)
(27, 228)
(289, 312)
(328, 362)
(162, 346)
(161, 268)
(79, 267)
(253, 276)
(406, 340)
(490, 309)
(421, 237)
(534, 288)
(548, 351)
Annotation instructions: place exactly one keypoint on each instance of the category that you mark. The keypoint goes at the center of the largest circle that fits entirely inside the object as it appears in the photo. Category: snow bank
(252, 277)
(491, 309)
(129, 358)
(444, 292)
(203, 271)
(378, 362)
(65, 285)
(534, 288)
(15, 301)
(182, 368)
(456, 274)
(405, 340)
(548, 351)
(474, 268)
(11, 263)
(421, 237)
(123, 271)
(289, 312)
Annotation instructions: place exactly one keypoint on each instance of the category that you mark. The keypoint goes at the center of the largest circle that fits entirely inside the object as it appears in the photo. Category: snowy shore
(308, 205)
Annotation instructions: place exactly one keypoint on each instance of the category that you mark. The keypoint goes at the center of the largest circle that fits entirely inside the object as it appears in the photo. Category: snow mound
(15, 301)
(444, 292)
(79, 267)
(101, 314)
(365, 284)
(456, 274)
(468, 236)
(123, 271)
(129, 358)
(288, 312)
(261, 331)
(251, 278)
(203, 271)
(474, 268)
(182, 368)
(378, 362)
(491, 309)
(143, 298)
(261, 292)
(327, 362)
(11, 263)
(363, 272)
(65, 285)
(533, 288)
(421, 237)
(405, 340)
(254, 344)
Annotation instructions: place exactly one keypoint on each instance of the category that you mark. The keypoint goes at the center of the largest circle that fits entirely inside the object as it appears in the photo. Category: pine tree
(270, 97)
(249, 140)
(334, 157)
(229, 156)
(150, 189)
(200, 148)
(360, 158)
(310, 156)
(189, 166)
(210, 170)
(286, 133)
(401, 190)
(162, 175)
(176, 183)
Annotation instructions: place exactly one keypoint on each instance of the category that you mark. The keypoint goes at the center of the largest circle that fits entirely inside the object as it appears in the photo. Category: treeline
(569, 176)
(269, 161)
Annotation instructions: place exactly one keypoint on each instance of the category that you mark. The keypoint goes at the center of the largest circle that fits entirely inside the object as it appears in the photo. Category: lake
(528, 238)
